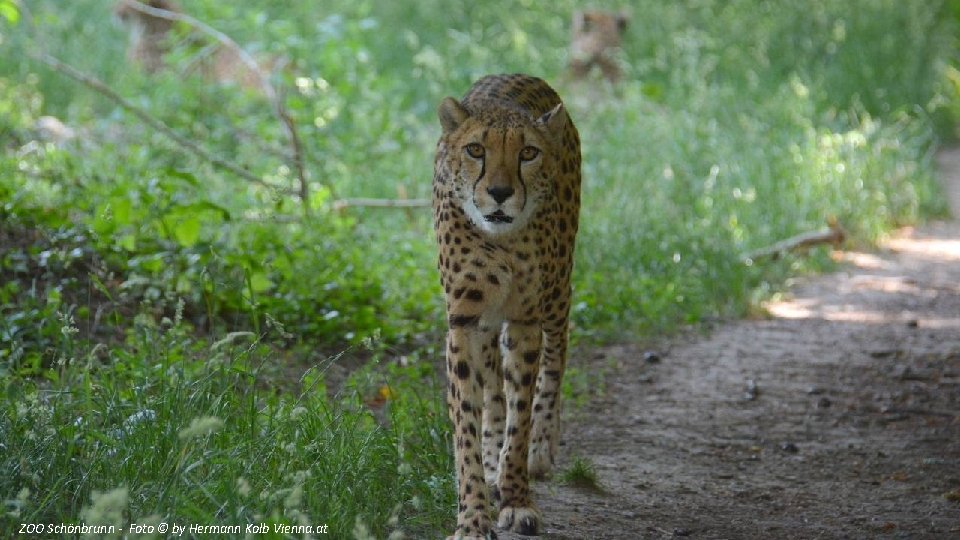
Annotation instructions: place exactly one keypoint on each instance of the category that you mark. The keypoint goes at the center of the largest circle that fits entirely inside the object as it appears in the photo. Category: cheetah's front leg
(520, 344)
(465, 401)
(494, 404)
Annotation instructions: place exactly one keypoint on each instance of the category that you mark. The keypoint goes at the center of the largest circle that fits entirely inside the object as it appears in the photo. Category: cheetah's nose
(500, 193)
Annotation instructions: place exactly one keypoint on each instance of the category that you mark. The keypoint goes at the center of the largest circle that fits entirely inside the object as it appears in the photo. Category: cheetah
(506, 204)
(595, 37)
(148, 35)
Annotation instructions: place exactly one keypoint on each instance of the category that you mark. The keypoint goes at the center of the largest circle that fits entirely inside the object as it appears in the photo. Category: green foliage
(9, 11)
(756, 122)
(195, 433)
(581, 473)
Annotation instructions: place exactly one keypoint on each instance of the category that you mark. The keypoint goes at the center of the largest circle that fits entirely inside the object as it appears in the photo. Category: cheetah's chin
(498, 217)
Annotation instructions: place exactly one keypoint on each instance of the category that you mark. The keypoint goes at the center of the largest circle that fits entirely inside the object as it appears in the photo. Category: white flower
(243, 487)
(106, 508)
(200, 427)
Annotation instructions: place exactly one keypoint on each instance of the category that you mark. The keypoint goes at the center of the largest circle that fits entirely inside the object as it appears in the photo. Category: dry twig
(264, 82)
(380, 203)
(833, 234)
(185, 143)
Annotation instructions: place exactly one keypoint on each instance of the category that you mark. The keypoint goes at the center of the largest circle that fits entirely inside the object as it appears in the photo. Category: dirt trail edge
(838, 417)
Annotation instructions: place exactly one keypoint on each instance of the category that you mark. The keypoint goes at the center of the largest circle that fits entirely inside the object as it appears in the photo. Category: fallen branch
(225, 40)
(155, 123)
(262, 80)
(833, 234)
(380, 203)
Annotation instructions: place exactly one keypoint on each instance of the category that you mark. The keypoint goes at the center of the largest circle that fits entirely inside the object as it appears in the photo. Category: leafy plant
(581, 473)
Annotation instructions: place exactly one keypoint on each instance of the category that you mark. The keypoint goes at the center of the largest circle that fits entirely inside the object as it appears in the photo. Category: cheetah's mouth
(498, 217)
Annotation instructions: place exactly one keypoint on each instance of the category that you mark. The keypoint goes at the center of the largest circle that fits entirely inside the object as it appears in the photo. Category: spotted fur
(506, 201)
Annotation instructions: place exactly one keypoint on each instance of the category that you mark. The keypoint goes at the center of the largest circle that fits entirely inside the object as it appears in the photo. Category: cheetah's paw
(520, 519)
(459, 536)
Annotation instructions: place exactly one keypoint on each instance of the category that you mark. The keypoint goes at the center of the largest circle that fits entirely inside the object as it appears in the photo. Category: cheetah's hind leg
(545, 432)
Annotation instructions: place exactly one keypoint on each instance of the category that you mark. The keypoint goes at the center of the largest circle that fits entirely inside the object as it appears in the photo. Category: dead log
(834, 234)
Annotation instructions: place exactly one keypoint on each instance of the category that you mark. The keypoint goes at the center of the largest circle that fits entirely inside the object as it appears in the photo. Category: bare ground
(837, 417)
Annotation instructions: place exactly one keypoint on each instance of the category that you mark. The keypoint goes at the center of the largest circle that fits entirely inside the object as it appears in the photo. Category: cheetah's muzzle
(498, 217)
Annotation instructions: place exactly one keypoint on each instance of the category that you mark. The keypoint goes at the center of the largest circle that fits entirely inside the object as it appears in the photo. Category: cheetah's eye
(529, 153)
(475, 150)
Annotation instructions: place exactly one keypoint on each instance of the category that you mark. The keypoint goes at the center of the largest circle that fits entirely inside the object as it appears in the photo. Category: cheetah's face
(502, 170)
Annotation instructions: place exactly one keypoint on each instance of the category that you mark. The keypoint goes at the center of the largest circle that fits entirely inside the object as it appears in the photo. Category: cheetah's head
(502, 162)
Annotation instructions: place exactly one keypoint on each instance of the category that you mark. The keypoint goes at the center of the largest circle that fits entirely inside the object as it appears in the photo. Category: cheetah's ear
(554, 120)
(451, 114)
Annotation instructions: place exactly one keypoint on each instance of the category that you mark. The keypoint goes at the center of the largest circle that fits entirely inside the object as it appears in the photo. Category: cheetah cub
(149, 35)
(595, 38)
(152, 38)
(506, 203)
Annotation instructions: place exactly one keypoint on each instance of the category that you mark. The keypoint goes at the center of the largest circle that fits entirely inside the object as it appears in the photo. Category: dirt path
(838, 417)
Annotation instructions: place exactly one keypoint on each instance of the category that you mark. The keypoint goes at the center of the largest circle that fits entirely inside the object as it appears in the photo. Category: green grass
(738, 123)
(197, 433)
(581, 473)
